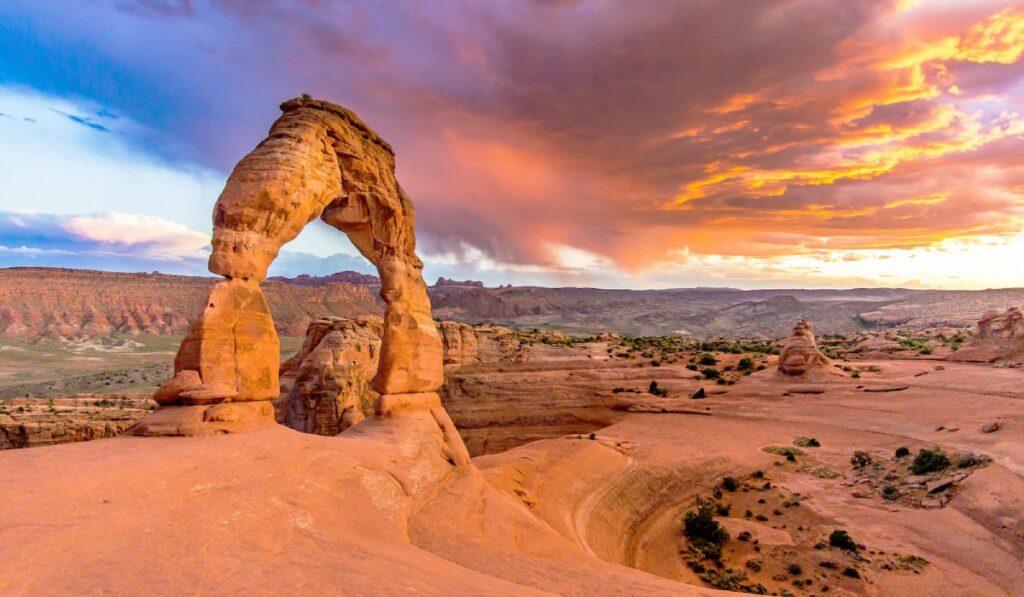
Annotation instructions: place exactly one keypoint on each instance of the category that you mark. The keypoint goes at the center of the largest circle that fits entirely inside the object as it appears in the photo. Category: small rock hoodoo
(800, 355)
(318, 160)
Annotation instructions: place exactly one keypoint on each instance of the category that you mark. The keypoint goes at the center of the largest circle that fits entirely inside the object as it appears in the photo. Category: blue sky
(799, 143)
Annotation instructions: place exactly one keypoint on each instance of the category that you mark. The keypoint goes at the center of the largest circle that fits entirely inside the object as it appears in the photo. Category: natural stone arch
(319, 160)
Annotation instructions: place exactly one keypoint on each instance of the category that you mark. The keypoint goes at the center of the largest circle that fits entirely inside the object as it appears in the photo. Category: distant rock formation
(442, 281)
(67, 304)
(800, 355)
(318, 160)
(346, 277)
(1000, 338)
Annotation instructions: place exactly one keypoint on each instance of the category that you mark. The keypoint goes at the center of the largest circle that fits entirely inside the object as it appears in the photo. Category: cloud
(111, 241)
(563, 141)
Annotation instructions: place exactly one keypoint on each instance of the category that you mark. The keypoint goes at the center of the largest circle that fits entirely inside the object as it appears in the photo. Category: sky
(655, 144)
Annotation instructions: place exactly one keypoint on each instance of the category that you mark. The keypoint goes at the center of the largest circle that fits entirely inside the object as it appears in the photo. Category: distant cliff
(50, 303)
(346, 277)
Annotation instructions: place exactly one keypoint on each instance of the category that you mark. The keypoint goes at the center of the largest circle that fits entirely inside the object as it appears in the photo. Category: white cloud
(111, 241)
(61, 156)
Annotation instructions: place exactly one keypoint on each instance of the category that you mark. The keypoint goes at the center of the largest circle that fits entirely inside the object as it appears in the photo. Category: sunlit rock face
(327, 386)
(319, 160)
(800, 355)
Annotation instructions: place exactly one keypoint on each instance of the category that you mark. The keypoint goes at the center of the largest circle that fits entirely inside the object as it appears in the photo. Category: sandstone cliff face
(64, 304)
(29, 423)
(1000, 338)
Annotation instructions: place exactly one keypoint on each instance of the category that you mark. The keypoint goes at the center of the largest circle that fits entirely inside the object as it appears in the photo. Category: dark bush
(745, 364)
(902, 452)
(708, 359)
(860, 459)
(851, 572)
(795, 569)
(711, 373)
(840, 539)
(890, 492)
(700, 525)
(929, 461)
(730, 484)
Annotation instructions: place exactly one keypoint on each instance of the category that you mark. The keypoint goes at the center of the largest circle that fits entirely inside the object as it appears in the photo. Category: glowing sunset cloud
(796, 142)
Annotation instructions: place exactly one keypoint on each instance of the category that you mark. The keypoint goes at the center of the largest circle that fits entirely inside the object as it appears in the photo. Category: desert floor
(377, 510)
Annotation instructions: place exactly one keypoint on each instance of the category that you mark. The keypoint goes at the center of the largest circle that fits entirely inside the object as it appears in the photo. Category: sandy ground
(378, 510)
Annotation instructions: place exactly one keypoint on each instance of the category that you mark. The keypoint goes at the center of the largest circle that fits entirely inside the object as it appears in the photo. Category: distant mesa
(346, 277)
(800, 356)
(999, 339)
(445, 282)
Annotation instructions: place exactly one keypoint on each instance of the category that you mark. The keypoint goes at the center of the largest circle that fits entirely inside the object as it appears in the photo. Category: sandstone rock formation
(326, 387)
(29, 423)
(442, 281)
(459, 343)
(319, 159)
(1000, 338)
(800, 355)
(346, 277)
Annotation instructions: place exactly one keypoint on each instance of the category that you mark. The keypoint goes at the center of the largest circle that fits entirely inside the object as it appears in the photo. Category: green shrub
(700, 525)
(691, 366)
(902, 452)
(890, 492)
(929, 461)
(708, 359)
(745, 364)
(851, 572)
(730, 484)
(795, 569)
(711, 373)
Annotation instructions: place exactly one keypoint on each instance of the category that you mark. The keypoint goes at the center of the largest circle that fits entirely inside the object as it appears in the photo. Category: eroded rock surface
(319, 160)
(33, 422)
(800, 355)
(326, 387)
(1000, 338)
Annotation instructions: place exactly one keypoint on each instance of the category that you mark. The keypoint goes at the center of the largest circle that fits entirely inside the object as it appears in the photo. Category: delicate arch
(318, 160)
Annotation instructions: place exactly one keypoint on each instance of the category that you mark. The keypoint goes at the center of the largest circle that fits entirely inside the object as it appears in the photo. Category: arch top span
(318, 160)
